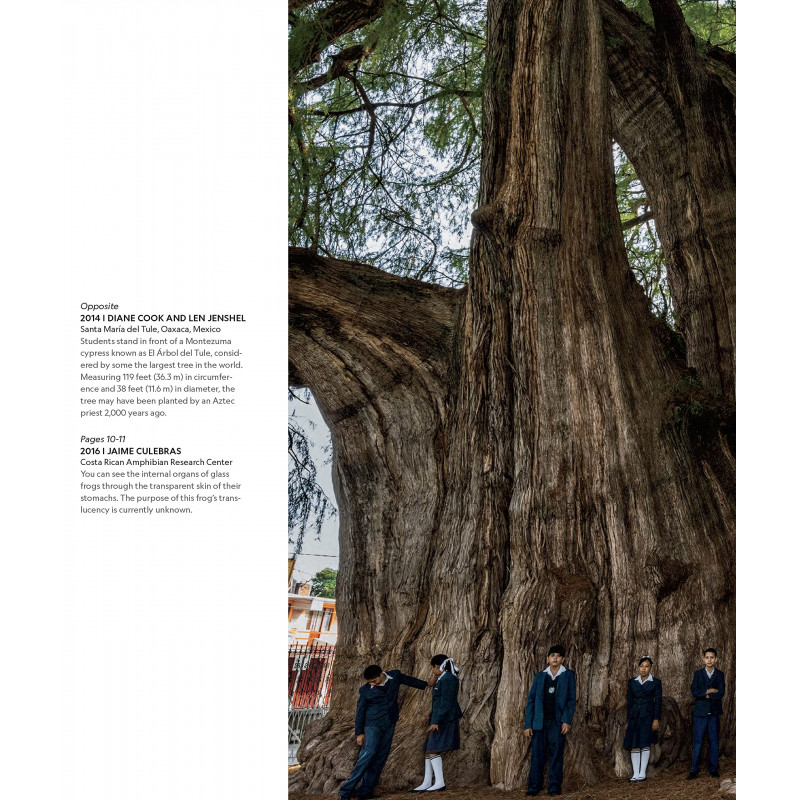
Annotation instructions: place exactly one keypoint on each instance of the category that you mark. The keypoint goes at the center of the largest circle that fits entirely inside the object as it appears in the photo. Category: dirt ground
(668, 785)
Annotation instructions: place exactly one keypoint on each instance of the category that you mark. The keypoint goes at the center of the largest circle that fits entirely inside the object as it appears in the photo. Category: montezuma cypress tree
(535, 458)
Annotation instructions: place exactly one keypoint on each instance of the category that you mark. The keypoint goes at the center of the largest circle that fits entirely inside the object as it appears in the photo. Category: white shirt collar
(710, 673)
(561, 669)
(388, 678)
(648, 678)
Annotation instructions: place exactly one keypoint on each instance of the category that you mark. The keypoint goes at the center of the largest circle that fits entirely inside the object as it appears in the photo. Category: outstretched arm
(409, 680)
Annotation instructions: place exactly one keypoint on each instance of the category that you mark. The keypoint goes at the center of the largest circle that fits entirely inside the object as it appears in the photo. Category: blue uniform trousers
(701, 725)
(547, 745)
(371, 759)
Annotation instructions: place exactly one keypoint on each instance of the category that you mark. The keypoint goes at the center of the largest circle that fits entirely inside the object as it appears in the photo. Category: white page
(139, 159)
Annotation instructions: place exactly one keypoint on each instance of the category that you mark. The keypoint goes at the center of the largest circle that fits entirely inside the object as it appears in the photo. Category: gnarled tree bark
(673, 115)
(512, 461)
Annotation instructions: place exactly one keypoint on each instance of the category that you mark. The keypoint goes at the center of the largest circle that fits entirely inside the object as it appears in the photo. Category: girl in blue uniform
(644, 712)
(443, 731)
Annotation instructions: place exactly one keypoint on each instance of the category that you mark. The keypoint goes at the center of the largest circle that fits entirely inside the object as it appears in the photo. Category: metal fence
(310, 669)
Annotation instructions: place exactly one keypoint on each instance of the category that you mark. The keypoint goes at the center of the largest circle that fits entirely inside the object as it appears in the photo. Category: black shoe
(692, 776)
(715, 774)
(369, 796)
(531, 793)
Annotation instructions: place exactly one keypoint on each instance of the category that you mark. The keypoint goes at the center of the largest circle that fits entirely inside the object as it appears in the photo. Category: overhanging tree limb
(640, 220)
(667, 99)
(369, 106)
(335, 305)
(310, 37)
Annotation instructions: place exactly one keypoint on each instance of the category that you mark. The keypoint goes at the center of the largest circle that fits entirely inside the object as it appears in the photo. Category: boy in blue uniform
(708, 689)
(548, 717)
(376, 715)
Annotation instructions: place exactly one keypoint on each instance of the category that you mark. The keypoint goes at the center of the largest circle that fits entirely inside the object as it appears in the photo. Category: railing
(310, 670)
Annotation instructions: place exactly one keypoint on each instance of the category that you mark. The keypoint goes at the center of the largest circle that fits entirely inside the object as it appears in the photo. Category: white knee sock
(427, 781)
(438, 774)
(636, 760)
(643, 764)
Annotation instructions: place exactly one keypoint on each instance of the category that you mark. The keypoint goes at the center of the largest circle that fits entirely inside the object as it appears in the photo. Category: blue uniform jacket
(644, 699)
(377, 705)
(700, 685)
(565, 700)
(445, 706)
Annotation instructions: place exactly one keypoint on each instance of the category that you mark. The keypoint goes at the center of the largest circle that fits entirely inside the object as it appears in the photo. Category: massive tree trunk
(515, 463)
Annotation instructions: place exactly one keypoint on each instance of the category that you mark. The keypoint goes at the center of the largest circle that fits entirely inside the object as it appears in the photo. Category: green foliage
(645, 255)
(384, 150)
(642, 8)
(711, 21)
(323, 584)
(309, 506)
(384, 141)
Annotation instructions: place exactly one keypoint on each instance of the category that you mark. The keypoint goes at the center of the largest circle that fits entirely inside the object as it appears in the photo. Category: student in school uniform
(377, 713)
(443, 732)
(644, 712)
(548, 718)
(708, 689)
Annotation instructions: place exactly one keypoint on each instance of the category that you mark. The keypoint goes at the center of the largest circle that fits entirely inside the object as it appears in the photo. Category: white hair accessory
(453, 667)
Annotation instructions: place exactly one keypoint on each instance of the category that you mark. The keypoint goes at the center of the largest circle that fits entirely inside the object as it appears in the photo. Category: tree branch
(309, 38)
(295, 4)
(339, 67)
(632, 223)
(678, 48)
(352, 322)
(369, 106)
(664, 106)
